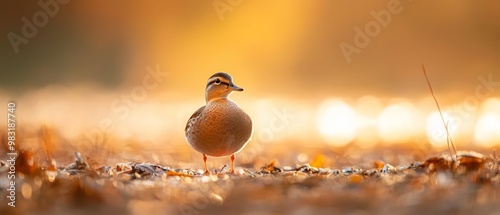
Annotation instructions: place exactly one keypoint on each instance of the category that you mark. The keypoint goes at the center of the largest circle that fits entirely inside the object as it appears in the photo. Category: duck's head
(220, 85)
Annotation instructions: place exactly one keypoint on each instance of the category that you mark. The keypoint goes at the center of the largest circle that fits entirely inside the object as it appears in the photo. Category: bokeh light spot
(336, 121)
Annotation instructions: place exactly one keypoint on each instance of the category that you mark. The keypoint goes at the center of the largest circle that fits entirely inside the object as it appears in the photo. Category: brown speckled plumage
(220, 128)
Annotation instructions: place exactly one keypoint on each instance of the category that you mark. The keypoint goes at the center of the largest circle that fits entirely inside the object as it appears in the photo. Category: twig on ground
(448, 137)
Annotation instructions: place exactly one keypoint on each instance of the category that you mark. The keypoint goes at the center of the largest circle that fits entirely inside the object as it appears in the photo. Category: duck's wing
(193, 119)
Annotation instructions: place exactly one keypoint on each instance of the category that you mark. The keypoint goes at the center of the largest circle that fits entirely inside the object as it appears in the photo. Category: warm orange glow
(287, 56)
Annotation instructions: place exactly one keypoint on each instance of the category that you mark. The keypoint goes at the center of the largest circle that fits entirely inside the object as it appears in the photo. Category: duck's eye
(217, 81)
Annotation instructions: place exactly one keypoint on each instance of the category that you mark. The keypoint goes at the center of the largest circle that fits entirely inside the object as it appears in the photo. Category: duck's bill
(236, 88)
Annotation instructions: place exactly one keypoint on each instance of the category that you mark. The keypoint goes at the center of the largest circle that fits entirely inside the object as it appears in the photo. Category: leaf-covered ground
(468, 184)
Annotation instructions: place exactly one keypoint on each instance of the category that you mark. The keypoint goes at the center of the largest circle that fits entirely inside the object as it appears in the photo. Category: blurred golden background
(136, 71)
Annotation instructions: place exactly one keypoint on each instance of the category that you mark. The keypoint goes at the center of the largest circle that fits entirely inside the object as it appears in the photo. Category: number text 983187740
(11, 153)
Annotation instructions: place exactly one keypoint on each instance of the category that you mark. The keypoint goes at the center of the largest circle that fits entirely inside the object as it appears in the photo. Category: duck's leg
(232, 164)
(205, 165)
